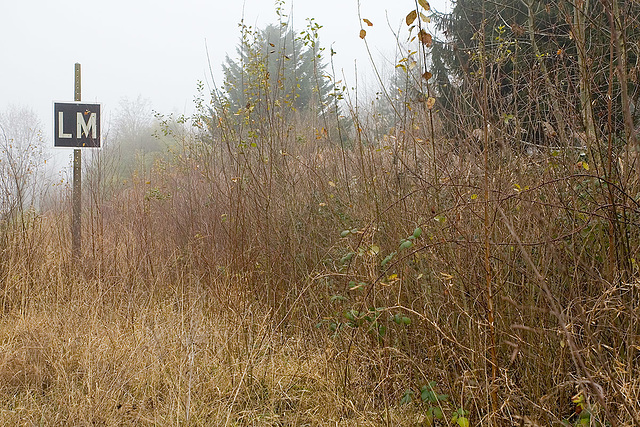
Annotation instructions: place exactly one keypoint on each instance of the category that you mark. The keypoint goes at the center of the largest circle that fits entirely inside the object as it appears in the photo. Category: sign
(76, 125)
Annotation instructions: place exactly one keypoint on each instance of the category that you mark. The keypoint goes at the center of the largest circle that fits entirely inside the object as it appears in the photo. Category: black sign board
(76, 125)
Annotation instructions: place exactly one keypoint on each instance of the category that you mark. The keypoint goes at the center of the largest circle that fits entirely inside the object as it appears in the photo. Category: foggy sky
(156, 49)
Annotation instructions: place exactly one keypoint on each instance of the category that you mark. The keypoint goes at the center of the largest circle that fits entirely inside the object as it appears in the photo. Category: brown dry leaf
(369, 23)
(427, 76)
(425, 38)
(411, 17)
(431, 101)
(363, 34)
(424, 4)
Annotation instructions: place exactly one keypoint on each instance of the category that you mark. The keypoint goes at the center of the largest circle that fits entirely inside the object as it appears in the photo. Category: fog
(156, 50)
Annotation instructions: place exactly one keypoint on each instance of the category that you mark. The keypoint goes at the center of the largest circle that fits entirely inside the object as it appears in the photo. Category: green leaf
(585, 416)
(388, 258)
(428, 395)
(463, 422)
(346, 258)
(417, 232)
(345, 233)
(437, 412)
(407, 397)
(406, 244)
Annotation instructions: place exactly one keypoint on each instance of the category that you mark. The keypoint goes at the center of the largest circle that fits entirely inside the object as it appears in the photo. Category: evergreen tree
(275, 70)
(541, 62)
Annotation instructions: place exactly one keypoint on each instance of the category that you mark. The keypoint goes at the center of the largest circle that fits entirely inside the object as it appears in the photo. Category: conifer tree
(274, 70)
(541, 61)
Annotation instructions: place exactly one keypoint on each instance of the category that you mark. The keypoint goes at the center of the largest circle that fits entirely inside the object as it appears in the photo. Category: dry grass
(94, 359)
(261, 278)
(198, 304)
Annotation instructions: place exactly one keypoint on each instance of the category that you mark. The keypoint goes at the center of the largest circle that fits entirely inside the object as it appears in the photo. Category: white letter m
(86, 127)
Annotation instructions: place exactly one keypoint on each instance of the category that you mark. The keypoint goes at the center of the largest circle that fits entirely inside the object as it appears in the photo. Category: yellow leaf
(424, 4)
(474, 196)
(392, 277)
(369, 23)
(411, 17)
(363, 34)
(583, 165)
(425, 18)
(431, 101)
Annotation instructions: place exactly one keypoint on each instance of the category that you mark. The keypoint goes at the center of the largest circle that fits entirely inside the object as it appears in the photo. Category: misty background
(151, 55)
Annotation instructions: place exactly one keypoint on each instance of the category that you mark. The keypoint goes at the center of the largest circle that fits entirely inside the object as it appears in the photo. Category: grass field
(275, 286)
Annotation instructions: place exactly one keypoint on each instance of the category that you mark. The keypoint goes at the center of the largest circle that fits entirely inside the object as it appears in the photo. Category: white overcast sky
(156, 49)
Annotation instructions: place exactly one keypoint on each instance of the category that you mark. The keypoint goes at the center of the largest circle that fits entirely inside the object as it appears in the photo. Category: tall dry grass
(214, 290)
(291, 269)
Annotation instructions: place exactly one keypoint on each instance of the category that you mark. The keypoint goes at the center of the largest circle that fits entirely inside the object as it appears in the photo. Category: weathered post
(77, 126)
(76, 222)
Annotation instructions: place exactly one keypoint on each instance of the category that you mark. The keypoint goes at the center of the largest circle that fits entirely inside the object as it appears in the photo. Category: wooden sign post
(76, 223)
(77, 126)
